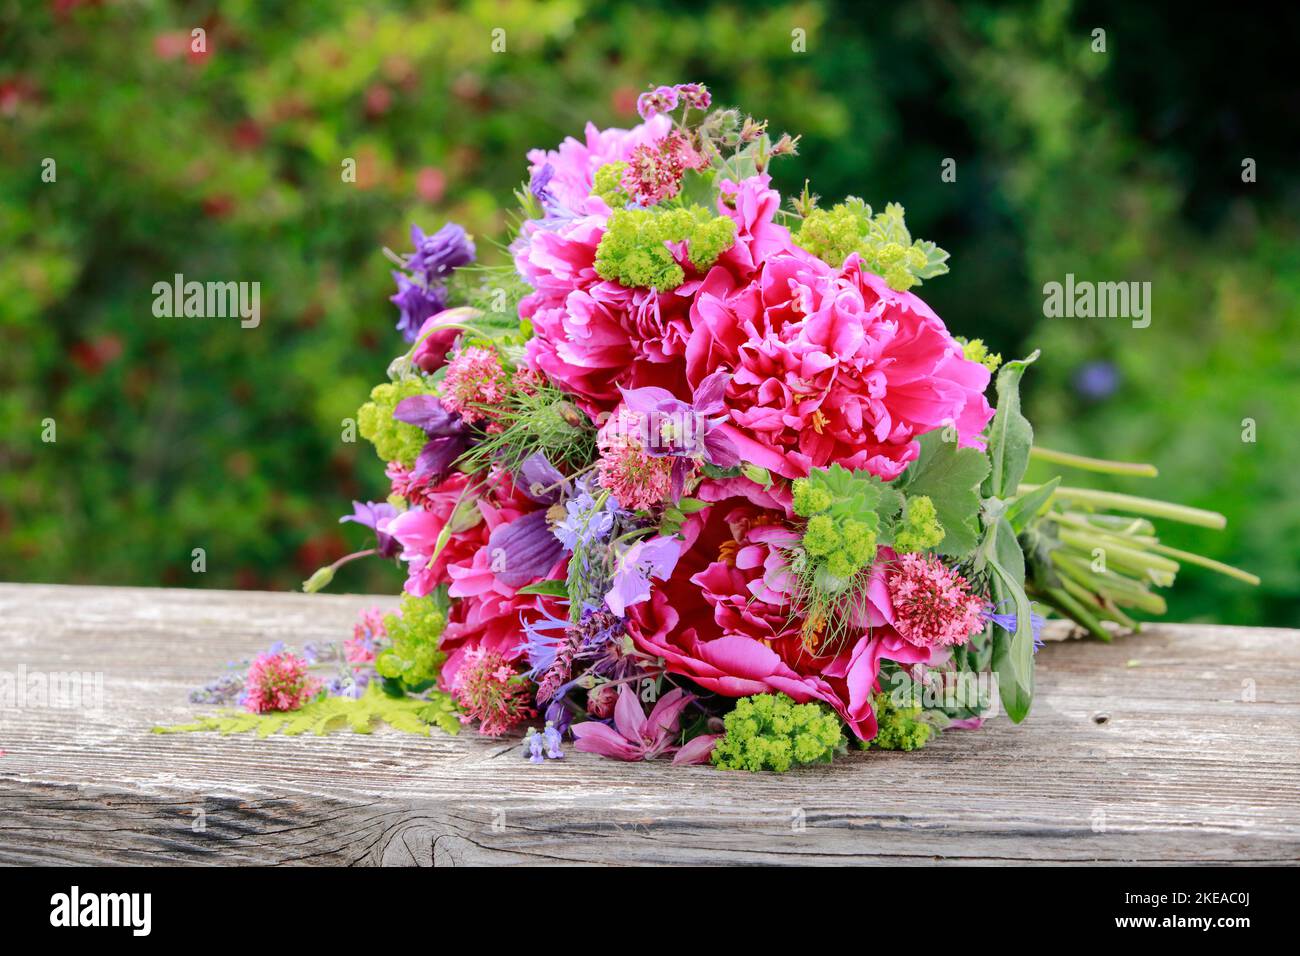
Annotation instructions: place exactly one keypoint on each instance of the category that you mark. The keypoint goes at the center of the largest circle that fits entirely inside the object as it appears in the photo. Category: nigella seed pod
(570, 414)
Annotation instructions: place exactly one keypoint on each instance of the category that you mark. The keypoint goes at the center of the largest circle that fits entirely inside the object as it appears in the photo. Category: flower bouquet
(699, 476)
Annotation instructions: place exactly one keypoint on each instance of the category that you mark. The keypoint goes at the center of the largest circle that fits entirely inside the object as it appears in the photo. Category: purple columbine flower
(687, 432)
(448, 436)
(438, 255)
(416, 303)
(523, 549)
(375, 515)
(662, 99)
(647, 558)
(539, 185)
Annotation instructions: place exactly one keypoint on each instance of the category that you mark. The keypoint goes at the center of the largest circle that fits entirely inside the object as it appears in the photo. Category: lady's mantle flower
(933, 604)
(634, 736)
(544, 746)
(278, 681)
(653, 557)
(489, 691)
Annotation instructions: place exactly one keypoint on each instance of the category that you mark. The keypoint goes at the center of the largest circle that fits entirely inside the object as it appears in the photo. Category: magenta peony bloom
(634, 736)
(723, 621)
(832, 366)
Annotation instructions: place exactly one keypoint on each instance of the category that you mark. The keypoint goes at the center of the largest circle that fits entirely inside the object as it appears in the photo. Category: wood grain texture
(1181, 744)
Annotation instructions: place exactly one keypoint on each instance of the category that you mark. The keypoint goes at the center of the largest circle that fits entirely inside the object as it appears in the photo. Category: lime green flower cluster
(882, 240)
(772, 732)
(393, 440)
(843, 545)
(633, 253)
(977, 351)
(608, 185)
(920, 529)
(898, 728)
(413, 632)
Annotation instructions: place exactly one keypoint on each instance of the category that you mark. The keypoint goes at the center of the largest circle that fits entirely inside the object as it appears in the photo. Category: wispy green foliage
(772, 732)
(881, 239)
(541, 420)
(373, 709)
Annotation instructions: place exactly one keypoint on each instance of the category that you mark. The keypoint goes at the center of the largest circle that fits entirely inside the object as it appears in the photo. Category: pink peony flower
(723, 621)
(831, 366)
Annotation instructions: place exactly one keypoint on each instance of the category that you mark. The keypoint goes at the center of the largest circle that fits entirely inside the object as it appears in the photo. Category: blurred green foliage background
(175, 434)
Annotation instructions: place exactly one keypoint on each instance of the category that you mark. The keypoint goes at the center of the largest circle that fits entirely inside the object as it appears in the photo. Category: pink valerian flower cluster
(367, 634)
(489, 690)
(636, 479)
(278, 682)
(474, 379)
(933, 604)
(654, 173)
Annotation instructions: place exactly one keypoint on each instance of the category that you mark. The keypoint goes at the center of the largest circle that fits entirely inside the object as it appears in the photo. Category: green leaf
(1011, 436)
(950, 476)
(547, 588)
(1027, 507)
(1013, 655)
(691, 505)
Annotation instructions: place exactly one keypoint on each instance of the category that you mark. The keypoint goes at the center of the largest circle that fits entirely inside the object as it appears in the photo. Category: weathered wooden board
(1181, 744)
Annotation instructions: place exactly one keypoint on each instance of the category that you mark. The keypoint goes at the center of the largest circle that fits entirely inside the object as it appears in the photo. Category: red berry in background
(91, 356)
(431, 183)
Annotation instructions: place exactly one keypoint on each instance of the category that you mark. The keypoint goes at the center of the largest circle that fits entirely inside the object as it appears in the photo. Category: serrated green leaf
(950, 476)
